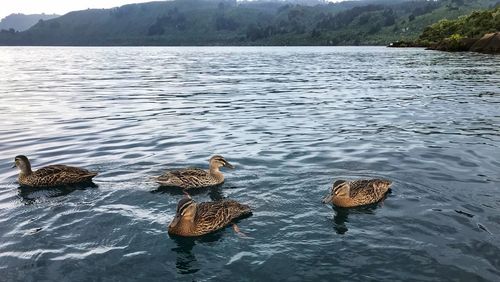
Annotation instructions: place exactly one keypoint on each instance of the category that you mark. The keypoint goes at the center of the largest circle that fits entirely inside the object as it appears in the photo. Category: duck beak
(186, 194)
(227, 164)
(13, 166)
(174, 221)
(327, 199)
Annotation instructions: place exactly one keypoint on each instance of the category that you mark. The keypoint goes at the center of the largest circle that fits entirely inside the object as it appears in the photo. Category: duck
(50, 176)
(192, 178)
(196, 219)
(348, 194)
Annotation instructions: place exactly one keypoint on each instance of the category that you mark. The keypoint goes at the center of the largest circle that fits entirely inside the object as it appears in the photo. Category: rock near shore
(489, 43)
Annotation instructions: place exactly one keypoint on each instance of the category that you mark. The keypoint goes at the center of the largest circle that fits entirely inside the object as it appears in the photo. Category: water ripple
(292, 120)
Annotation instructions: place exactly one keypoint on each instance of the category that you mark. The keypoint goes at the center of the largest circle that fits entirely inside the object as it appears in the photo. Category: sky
(60, 7)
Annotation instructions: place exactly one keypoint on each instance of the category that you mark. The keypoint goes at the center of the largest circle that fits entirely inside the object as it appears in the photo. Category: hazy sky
(61, 7)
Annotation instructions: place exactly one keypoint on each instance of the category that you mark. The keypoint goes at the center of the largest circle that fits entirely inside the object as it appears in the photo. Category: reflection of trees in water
(29, 195)
(186, 262)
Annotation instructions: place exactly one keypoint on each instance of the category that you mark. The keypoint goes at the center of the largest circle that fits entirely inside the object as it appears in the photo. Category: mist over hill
(21, 22)
(230, 22)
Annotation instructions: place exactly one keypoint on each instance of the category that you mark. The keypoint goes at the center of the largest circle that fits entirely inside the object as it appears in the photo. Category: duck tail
(165, 181)
(383, 184)
(90, 175)
(245, 209)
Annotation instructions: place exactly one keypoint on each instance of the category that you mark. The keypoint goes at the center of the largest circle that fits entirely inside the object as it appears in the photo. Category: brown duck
(190, 178)
(355, 193)
(196, 219)
(52, 175)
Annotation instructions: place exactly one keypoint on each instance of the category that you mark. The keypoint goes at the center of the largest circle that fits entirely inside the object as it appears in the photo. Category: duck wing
(369, 187)
(212, 216)
(61, 175)
(184, 178)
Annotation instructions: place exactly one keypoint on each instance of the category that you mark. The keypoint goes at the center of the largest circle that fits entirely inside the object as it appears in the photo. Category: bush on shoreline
(460, 34)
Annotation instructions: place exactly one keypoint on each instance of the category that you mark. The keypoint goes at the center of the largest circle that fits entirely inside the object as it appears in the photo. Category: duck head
(23, 164)
(218, 161)
(186, 210)
(339, 189)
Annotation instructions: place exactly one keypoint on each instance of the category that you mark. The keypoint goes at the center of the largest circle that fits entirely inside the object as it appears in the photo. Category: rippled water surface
(292, 120)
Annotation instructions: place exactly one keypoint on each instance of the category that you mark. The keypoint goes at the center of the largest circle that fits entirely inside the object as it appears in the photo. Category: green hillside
(474, 25)
(212, 22)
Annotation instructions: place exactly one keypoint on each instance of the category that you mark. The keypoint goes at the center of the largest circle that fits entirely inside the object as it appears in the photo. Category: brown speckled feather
(361, 192)
(213, 216)
(55, 175)
(208, 217)
(368, 187)
(188, 178)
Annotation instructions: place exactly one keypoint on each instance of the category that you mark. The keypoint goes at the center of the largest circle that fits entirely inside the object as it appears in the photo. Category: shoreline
(487, 44)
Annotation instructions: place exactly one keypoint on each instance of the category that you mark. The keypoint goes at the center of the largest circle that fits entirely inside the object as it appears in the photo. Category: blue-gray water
(292, 120)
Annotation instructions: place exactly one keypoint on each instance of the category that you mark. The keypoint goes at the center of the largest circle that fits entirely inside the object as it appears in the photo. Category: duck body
(191, 178)
(52, 175)
(348, 194)
(196, 219)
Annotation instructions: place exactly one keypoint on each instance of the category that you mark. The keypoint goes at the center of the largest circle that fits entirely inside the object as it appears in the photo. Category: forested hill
(227, 22)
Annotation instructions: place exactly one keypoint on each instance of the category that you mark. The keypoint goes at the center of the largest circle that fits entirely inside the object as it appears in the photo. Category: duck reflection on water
(185, 261)
(30, 195)
(214, 192)
(341, 217)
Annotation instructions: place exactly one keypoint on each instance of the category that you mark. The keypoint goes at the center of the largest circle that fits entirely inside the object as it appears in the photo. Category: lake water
(292, 120)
